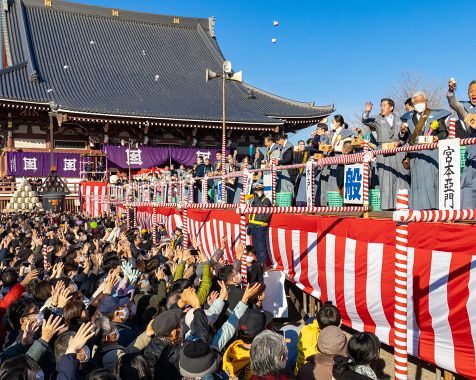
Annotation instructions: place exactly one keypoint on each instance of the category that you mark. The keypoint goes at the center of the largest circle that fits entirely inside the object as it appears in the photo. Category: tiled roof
(131, 65)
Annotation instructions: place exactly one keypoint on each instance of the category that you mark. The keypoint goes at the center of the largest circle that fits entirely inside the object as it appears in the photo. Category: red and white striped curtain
(351, 263)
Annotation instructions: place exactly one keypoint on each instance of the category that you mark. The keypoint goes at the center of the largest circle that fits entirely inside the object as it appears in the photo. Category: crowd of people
(415, 171)
(91, 299)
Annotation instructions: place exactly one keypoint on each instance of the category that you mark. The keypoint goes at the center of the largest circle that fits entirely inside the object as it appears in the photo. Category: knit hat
(198, 359)
(254, 321)
(332, 341)
(166, 322)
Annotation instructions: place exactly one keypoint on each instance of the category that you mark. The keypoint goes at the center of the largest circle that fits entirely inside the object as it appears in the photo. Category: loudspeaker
(210, 75)
(237, 77)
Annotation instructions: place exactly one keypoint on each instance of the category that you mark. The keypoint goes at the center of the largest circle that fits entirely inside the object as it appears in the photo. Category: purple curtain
(142, 157)
(68, 164)
(188, 156)
(147, 157)
(37, 164)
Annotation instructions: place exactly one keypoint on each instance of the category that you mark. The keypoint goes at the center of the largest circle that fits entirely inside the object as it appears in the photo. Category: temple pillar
(10, 142)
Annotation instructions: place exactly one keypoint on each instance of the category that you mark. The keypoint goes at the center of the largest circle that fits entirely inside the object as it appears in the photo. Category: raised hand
(451, 85)
(368, 107)
(149, 331)
(63, 297)
(30, 277)
(29, 333)
(51, 327)
(223, 290)
(86, 248)
(159, 274)
(404, 128)
(251, 292)
(224, 242)
(212, 297)
(86, 331)
(239, 250)
(55, 292)
(110, 281)
(189, 297)
(132, 274)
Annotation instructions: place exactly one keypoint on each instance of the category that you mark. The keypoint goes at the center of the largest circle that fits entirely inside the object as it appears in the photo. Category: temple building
(81, 79)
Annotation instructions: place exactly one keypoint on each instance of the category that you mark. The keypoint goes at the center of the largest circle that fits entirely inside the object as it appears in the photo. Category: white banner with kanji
(449, 189)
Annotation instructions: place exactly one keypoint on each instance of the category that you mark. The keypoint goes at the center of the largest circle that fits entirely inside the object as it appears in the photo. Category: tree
(400, 92)
(411, 83)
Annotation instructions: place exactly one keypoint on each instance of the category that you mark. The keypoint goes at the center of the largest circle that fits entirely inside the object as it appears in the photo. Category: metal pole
(129, 161)
(51, 141)
(366, 179)
(223, 141)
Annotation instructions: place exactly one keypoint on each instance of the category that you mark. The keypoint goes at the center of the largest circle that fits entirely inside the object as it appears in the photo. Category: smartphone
(194, 252)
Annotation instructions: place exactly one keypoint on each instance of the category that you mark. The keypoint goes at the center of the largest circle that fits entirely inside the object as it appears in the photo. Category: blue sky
(341, 52)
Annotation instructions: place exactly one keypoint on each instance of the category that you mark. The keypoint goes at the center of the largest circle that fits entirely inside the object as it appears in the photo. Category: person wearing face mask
(258, 224)
(108, 349)
(423, 125)
(117, 311)
(466, 110)
(128, 330)
(72, 355)
(392, 175)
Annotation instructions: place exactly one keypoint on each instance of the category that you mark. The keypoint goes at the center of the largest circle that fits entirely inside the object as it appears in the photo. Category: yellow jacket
(236, 361)
(307, 344)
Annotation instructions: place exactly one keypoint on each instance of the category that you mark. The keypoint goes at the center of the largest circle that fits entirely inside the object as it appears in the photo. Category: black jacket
(260, 202)
(163, 359)
(342, 371)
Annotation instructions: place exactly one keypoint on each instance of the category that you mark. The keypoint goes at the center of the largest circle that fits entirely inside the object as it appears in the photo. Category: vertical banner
(268, 185)
(449, 190)
(249, 183)
(309, 183)
(354, 184)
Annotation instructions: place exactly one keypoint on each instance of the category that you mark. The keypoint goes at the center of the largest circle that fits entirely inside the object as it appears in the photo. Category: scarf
(365, 370)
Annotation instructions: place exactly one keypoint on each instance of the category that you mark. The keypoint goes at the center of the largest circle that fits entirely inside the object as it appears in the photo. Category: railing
(182, 191)
(159, 195)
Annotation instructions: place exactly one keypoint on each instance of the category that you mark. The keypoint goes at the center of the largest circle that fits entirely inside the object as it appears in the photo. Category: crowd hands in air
(415, 171)
(91, 299)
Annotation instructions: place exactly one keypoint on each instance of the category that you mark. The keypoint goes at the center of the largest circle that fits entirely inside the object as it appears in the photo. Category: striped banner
(351, 262)
(94, 198)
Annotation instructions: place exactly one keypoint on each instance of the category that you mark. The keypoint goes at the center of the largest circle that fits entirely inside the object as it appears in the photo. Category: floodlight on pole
(227, 74)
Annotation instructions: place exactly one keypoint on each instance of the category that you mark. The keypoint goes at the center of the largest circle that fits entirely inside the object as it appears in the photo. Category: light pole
(53, 114)
(227, 74)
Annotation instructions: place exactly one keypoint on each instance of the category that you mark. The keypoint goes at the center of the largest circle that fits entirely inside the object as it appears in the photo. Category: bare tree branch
(411, 83)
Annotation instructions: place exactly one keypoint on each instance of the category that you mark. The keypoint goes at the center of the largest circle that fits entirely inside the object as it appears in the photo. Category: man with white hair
(268, 356)
(423, 125)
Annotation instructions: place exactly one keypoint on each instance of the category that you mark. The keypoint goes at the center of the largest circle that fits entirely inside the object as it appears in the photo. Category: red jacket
(9, 298)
